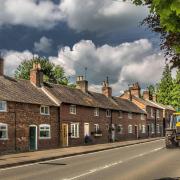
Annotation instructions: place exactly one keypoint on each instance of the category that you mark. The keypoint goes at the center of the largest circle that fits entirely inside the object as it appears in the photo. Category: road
(141, 161)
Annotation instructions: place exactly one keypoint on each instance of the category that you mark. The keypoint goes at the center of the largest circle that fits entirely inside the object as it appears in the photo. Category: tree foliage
(165, 87)
(175, 93)
(52, 73)
(164, 18)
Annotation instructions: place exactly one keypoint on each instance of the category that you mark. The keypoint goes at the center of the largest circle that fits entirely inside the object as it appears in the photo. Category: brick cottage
(35, 115)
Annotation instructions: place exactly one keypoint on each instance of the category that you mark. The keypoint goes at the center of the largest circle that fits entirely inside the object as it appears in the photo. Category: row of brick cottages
(36, 115)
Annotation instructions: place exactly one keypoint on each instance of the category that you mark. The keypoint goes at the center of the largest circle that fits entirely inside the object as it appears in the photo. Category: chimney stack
(82, 84)
(36, 75)
(146, 95)
(106, 89)
(1, 66)
(135, 90)
(127, 95)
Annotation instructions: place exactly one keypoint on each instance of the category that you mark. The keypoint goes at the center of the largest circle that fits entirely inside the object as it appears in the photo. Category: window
(44, 131)
(96, 112)
(108, 113)
(152, 113)
(120, 129)
(96, 127)
(3, 106)
(143, 129)
(44, 110)
(74, 130)
(152, 128)
(142, 117)
(157, 113)
(129, 115)
(157, 128)
(73, 109)
(130, 129)
(120, 114)
(3, 131)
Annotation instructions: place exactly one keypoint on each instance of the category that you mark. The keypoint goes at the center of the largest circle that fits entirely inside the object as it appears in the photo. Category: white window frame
(45, 126)
(75, 129)
(120, 114)
(96, 111)
(157, 113)
(158, 128)
(72, 109)
(143, 129)
(44, 112)
(142, 117)
(130, 115)
(108, 113)
(6, 130)
(96, 128)
(152, 112)
(152, 128)
(121, 128)
(4, 103)
(130, 129)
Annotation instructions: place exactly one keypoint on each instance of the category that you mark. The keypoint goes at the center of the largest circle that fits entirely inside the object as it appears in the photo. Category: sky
(104, 36)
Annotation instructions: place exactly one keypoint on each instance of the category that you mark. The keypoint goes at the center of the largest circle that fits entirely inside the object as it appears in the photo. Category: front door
(136, 131)
(64, 135)
(86, 129)
(148, 130)
(113, 132)
(32, 138)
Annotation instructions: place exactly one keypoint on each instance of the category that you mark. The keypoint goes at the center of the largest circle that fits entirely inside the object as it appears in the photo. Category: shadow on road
(57, 164)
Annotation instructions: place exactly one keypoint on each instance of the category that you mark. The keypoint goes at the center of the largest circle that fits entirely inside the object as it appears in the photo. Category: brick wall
(24, 115)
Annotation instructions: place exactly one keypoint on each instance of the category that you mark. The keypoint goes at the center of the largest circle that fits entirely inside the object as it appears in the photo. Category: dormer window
(157, 113)
(96, 112)
(44, 110)
(3, 106)
(108, 113)
(72, 109)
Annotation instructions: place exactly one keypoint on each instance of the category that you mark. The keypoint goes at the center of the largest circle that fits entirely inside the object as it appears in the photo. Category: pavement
(38, 156)
(143, 161)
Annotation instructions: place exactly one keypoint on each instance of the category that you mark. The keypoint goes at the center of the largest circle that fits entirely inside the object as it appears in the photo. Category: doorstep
(11, 160)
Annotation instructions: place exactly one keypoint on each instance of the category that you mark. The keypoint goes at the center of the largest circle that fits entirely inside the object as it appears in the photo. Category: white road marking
(80, 155)
(111, 165)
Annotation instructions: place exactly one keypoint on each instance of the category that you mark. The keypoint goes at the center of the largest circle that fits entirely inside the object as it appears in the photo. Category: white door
(113, 132)
(86, 129)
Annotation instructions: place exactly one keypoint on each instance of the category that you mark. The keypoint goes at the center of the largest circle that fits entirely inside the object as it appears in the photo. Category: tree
(164, 18)
(165, 87)
(175, 93)
(52, 73)
(151, 89)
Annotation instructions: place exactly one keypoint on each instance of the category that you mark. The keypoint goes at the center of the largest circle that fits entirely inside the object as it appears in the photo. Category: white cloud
(34, 13)
(13, 59)
(102, 15)
(44, 45)
(124, 64)
(92, 15)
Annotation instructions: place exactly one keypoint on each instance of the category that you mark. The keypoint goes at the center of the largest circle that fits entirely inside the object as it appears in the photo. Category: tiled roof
(146, 102)
(126, 105)
(22, 91)
(75, 96)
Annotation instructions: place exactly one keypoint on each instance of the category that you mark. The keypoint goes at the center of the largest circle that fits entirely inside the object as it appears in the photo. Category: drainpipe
(155, 121)
(111, 126)
(15, 133)
(59, 122)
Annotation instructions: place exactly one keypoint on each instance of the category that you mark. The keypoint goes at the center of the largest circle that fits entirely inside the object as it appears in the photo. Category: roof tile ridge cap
(155, 103)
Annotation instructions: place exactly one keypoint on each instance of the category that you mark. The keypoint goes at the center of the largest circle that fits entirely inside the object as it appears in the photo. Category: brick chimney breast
(146, 95)
(106, 89)
(1, 66)
(135, 89)
(36, 75)
(82, 84)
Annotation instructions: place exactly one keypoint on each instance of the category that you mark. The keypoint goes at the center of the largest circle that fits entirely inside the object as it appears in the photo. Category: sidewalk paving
(11, 160)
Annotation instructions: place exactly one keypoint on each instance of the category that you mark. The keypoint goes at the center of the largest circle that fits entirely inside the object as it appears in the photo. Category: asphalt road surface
(137, 162)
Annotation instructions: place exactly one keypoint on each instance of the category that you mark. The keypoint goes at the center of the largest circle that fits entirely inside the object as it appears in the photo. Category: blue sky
(102, 35)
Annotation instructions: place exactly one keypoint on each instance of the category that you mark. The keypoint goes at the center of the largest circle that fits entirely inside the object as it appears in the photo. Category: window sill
(44, 138)
(45, 114)
(74, 137)
(4, 139)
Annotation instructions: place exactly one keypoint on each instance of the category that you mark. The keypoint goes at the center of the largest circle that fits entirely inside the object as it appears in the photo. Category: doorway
(136, 131)
(148, 130)
(86, 129)
(64, 135)
(33, 138)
